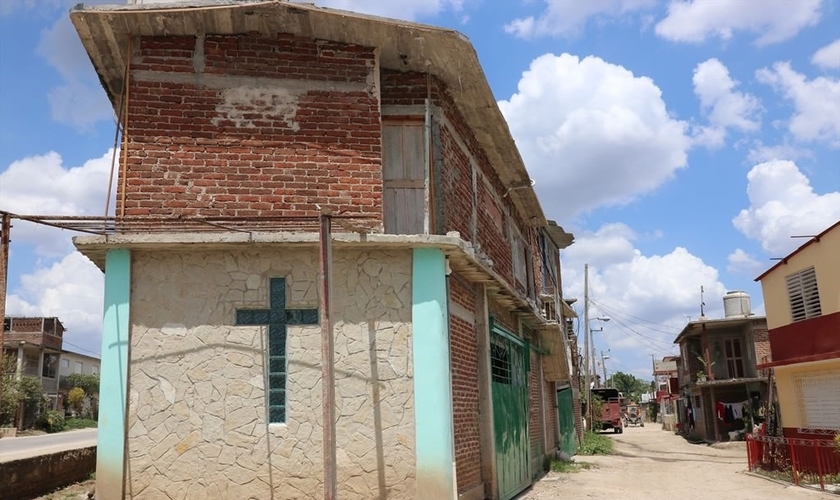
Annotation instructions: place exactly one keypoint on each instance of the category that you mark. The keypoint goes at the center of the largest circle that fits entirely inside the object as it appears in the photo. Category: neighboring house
(802, 300)
(36, 344)
(73, 362)
(244, 122)
(718, 377)
(667, 393)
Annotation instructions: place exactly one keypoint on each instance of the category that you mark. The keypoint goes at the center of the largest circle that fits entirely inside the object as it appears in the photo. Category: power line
(81, 348)
(618, 311)
(646, 338)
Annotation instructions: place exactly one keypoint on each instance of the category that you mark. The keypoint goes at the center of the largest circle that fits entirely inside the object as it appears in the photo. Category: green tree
(25, 391)
(630, 386)
(88, 383)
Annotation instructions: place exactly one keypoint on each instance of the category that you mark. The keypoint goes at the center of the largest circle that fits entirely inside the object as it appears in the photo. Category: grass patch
(79, 423)
(570, 467)
(596, 444)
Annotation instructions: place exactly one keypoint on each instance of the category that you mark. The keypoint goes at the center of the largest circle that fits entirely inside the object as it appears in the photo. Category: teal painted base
(113, 379)
(434, 442)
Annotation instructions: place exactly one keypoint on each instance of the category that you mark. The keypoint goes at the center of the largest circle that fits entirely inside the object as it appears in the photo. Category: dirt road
(653, 464)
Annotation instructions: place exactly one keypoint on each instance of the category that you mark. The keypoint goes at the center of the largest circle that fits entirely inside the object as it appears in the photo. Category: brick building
(243, 122)
(719, 381)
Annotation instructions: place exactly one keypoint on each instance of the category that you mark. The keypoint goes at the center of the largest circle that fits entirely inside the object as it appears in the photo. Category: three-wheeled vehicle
(634, 415)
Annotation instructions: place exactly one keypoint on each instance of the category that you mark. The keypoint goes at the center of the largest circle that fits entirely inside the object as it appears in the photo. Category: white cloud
(594, 132)
(828, 56)
(761, 152)
(9, 7)
(742, 262)
(772, 20)
(817, 103)
(783, 204)
(566, 17)
(404, 9)
(80, 100)
(70, 289)
(42, 185)
(647, 297)
(721, 104)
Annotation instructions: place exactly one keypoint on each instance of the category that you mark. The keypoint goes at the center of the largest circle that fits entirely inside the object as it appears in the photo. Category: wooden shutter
(403, 159)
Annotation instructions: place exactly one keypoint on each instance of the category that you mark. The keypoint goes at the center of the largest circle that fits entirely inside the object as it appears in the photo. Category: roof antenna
(702, 304)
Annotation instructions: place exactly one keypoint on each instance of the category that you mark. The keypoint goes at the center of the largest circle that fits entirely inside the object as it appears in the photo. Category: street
(23, 447)
(650, 463)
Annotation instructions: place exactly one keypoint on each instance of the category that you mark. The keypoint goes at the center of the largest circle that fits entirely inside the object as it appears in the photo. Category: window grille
(500, 363)
(818, 398)
(803, 295)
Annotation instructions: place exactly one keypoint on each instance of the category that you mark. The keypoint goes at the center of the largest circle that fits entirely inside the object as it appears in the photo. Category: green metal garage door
(566, 416)
(509, 365)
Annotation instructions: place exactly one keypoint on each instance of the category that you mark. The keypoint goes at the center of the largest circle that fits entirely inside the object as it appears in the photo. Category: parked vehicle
(611, 409)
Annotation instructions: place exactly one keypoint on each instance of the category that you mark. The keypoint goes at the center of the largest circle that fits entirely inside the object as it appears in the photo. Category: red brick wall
(502, 316)
(535, 430)
(466, 412)
(763, 353)
(212, 144)
(551, 422)
(456, 185)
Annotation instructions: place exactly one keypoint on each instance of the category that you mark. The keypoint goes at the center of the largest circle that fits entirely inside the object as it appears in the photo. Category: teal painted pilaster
(434, 442)
(113, 378)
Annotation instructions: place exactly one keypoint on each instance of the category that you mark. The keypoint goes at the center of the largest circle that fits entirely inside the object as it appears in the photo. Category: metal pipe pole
(5, 227)
(604, 366)
(327, 356)
(586, 334)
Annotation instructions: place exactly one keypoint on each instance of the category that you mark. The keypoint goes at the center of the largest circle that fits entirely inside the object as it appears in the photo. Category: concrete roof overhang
(694, 328)
(105, 31)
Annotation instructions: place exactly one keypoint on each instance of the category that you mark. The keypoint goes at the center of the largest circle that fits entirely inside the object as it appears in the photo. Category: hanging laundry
(720, 410)
(737, 410)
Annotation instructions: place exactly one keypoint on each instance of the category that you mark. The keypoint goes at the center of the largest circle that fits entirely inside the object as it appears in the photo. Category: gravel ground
(653, 464)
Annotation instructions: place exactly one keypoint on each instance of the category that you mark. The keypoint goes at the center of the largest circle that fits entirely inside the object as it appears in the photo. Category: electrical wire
(615, 312)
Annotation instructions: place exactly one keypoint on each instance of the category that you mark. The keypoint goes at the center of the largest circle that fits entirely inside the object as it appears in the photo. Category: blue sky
(682, 141)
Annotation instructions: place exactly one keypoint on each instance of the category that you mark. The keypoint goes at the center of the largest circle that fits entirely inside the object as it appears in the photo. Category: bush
(596, 444)
(51, 421)
(79, 423)
(76, 400)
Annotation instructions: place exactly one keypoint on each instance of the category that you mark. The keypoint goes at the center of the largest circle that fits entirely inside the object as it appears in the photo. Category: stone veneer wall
(197, 419)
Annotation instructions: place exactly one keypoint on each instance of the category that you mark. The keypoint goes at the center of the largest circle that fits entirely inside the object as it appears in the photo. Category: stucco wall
(823, 256)
(197, 419)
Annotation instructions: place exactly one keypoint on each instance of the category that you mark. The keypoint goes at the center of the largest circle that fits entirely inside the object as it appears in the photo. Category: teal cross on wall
(276, 317)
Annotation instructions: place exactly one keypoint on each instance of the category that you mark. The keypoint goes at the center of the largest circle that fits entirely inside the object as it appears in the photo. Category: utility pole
(586, 335)
(5, 227)
(604, 366)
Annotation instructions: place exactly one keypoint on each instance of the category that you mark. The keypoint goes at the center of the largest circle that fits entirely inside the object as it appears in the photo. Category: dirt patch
(650, 463)
(78, 491)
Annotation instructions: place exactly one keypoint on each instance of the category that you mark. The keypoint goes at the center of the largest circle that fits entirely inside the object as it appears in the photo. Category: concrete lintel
(211, 81)
(95, 247)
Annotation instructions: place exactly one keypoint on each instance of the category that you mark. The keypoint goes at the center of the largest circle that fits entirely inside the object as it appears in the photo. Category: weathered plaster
(197, 421)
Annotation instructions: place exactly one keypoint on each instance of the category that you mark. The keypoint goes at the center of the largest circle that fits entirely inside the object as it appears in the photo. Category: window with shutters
(803, 295)
(404, 176)
(734, 359)
(818, 397)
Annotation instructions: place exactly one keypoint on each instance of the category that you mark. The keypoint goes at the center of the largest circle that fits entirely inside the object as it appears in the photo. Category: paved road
(652, 464)
(22, 447)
